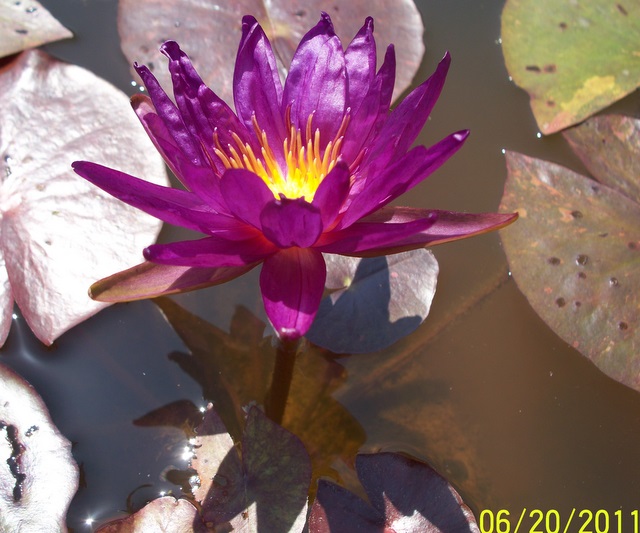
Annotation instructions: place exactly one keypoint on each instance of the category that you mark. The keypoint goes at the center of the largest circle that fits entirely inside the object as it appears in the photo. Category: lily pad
(59, 233)
(38, 476)
(265, 487)
(162, 515)
(210, 31)
(575, 254)
(26, 25)
(609, 146)
(404, 494)
(573, 58)
(376, 302)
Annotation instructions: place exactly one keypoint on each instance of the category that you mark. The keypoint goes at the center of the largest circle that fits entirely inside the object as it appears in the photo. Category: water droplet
(31, 9)
(603, 234)
(622, 326)
(582, 275)
(561, 302)
(7, 161)
(576, 214)
(503, 151)
(177, 23)
(613, 282)
(539, 135)
(21, 32)
(582, 260)
(134, 83)
(553, 261)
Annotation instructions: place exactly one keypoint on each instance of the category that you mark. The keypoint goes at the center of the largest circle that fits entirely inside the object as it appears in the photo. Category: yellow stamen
(306, 164)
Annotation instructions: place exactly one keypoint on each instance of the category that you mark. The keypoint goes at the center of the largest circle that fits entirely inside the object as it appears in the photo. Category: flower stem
(276, 400)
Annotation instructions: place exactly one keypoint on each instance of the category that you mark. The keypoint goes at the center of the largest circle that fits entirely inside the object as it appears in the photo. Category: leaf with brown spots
(573, 58)
(575, 254)
(25, 25)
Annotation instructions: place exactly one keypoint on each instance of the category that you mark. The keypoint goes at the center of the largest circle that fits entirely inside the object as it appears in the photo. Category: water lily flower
(298, 170)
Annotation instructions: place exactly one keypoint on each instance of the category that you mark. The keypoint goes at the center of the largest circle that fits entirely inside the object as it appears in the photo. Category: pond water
(483, 390)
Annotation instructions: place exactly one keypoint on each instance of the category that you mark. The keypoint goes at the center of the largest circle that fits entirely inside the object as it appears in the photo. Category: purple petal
(158, 131)
(256, 83)
(292, 283)
(246, 195)
(210, 252)
(175, 206)
(204, 112)
(406, 121)
(360, 61)
(288, 223)
(168, 112)
(332, 193)
(371, 238)
(447, 226)
(149, 280)
(316, 83)
(382, 188)
(367, 119)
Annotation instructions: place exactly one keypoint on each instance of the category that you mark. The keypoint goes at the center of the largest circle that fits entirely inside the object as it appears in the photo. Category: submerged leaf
(575, 254)
(573, 58)
(26, 25)
(59, 233)
(201, 26)
(265, 486)
(405, 495)
(38, 476)
(235, 369)
(378, 300)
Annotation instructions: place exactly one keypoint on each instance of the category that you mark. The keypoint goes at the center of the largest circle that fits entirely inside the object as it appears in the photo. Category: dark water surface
(494, 400)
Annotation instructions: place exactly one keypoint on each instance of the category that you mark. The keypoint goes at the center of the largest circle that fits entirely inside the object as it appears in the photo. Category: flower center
(306, 162)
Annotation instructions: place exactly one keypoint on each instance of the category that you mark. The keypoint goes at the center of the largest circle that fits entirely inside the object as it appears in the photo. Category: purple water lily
(296, 171)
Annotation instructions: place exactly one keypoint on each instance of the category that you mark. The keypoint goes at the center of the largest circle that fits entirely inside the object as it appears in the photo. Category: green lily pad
(575, 254)
(573, 58)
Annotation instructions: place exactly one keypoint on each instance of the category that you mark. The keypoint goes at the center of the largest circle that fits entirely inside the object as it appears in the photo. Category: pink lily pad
(58, 233)
(376, 301)
(38, 476)
(26, 24)
(404, 494)
(573, 58)
(163, 515)
(209, 32)
(265, 486)
(575, 254)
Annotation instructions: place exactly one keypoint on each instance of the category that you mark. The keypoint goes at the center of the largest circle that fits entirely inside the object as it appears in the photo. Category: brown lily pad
(575, 254)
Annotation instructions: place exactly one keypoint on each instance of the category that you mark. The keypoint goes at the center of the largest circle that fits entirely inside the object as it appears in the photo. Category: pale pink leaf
(38, 476)
(209, 32)
(163, 515)
(26, 25)
(59, 234)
